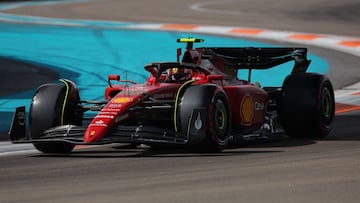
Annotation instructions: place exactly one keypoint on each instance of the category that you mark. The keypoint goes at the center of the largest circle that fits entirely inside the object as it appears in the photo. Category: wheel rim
(220, 120)
(327, 106)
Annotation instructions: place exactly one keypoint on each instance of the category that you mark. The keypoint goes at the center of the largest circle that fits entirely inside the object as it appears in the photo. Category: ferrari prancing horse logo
(174, 70)
(246, 110)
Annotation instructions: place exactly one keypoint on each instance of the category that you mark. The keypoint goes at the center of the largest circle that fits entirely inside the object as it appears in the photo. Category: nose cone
(90, 136)
(94, 134)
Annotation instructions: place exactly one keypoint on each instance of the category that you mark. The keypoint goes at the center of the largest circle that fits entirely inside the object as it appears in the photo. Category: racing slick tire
(307, 106)
(53, 105)
(205, 108)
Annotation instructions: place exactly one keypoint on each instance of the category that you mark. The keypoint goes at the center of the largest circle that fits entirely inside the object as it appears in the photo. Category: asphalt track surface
(285, 170)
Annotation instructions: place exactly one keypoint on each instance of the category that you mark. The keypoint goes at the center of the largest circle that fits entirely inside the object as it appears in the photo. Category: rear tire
(51, 106)
(307, 106)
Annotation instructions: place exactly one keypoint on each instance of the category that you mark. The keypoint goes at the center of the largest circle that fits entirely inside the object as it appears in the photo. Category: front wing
(74, 134)
(122, 134)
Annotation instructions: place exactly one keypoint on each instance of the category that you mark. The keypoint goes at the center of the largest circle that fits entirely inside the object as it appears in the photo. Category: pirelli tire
(53, 105)
(215, 114)
(307, 106)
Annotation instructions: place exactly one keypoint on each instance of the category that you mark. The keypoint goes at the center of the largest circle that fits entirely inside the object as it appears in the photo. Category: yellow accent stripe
(64, 103)
(177, 100)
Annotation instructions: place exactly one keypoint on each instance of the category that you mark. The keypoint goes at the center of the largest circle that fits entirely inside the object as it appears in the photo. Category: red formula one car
(197, 101)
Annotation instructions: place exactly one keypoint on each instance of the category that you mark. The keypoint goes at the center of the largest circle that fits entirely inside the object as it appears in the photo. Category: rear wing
(259, 58)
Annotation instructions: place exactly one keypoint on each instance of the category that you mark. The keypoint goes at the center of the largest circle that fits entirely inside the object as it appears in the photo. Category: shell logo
(122, 100)
(247, 110)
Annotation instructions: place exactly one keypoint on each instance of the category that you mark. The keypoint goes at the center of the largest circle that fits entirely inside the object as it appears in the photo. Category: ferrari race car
(197, 101)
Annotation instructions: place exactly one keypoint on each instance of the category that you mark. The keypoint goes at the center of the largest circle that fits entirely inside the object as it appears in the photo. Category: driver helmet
(179, 74)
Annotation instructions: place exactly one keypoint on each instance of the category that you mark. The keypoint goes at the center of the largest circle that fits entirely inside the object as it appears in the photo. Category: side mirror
(113, 77)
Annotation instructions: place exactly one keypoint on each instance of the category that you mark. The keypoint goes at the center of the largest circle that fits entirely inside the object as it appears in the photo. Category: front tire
(219, 123)
(53, 105)
(205, 108)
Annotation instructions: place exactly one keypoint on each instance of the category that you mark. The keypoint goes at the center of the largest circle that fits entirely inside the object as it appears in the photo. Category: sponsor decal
(121, 118)
(198, 122)
(105, 116)
(247, 110)
(92, 133)
(122, 100)
(164, 95)
(137, 132)
(21, 118)
(115, 106)
(135, 90)
(111, 110)
(98, 123)
(259, 106)
(107, 113)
